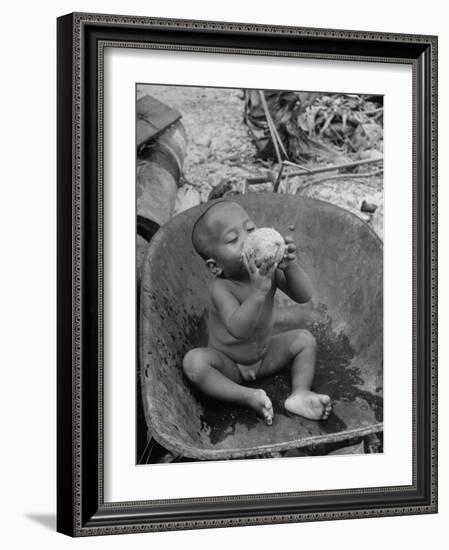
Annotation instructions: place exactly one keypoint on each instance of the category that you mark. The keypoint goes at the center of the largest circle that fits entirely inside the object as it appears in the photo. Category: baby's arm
(290, 278)
(241, 319)
(295, 283)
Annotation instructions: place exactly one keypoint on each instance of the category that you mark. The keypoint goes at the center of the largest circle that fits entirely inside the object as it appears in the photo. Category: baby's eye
(250, 229)
(230, 241)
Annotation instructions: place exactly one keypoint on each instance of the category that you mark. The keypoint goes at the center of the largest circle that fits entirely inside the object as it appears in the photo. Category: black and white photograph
(223, 295)
(259, 276)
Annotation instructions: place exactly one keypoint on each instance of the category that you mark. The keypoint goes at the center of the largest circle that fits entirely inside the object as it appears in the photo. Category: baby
(241, 346)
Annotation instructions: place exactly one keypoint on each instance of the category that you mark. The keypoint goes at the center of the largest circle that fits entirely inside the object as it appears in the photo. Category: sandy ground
(220, 149)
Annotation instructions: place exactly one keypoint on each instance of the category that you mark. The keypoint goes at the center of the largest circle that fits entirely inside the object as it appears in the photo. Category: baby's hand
(289, 254)
(260, 272)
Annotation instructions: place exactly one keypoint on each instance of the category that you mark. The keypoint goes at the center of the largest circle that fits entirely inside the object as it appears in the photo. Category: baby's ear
(213, 267)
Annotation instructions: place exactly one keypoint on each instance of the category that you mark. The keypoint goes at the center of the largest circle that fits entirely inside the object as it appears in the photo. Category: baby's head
(218, 236)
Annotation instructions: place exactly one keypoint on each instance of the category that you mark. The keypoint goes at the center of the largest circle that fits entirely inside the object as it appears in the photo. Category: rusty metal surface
(343, 258)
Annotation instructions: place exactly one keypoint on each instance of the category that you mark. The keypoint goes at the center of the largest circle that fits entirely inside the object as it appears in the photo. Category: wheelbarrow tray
(343, 258)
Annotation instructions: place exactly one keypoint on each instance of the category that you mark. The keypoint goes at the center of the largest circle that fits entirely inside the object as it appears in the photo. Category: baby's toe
(267, 405)
(268, 411)
(324, 400)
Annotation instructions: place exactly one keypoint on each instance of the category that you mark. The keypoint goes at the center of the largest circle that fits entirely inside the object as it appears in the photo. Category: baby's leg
(218, 376)
(298, 346)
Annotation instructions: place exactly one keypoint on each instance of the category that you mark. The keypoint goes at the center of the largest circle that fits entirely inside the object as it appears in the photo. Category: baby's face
(230, 225)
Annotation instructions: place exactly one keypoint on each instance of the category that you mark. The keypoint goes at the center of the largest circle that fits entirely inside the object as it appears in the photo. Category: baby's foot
(309, 404)
(261, 403)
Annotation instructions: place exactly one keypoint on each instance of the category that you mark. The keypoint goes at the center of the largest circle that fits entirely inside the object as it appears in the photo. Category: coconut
(262, 242)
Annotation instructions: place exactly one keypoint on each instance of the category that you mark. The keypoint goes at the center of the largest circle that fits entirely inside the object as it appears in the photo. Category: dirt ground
(220, 150)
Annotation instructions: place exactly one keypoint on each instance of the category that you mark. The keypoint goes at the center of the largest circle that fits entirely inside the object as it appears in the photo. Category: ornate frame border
(81, 42)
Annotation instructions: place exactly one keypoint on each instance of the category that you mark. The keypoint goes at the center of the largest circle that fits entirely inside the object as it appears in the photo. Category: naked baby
(241, 345)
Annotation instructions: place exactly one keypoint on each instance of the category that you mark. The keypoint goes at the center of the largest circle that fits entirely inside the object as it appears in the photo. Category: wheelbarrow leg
(372, 444)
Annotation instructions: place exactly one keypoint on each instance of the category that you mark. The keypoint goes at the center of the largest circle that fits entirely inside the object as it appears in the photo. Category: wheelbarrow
(343, 258)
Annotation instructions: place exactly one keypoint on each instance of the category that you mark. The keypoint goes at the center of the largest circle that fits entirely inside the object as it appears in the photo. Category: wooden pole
(270, 125)
(336, 167)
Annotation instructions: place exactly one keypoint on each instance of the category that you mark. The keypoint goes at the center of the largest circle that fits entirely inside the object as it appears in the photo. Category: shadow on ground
(46, 520)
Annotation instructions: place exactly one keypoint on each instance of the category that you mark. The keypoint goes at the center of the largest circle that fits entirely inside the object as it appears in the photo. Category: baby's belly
(245, 352)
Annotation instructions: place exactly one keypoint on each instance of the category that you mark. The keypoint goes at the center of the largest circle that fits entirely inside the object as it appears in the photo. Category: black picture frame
(81, 510)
